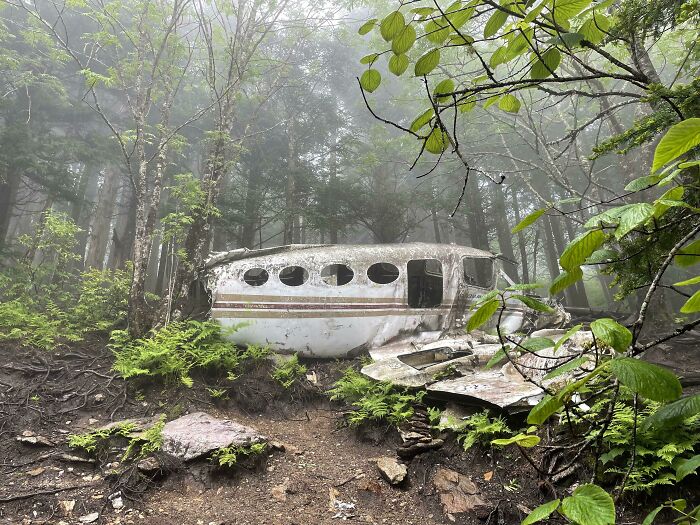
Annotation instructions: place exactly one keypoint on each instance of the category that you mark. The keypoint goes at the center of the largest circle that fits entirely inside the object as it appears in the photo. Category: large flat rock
(199, 434)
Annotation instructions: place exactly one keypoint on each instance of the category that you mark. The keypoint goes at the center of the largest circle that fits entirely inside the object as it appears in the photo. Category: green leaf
(689, 255)
(546, 65)
(634, 216)
(423, 11)
(679, 139)
(578, 250)
(436, 142)
(498, 57)
(367, 26)
(643, 183)
(535, 344)
(509, 103)
(398, 64)
(687, 467)
(568, 335)
(427, 62)
(602, 256)
(499, 356)
(404, 40)
(692, 305)
(563, 10)
(370, 80)
(673, 413)
(652, 515)
(368, 59)
(649, 381)
(568, 367)
(533, 303)
(392, 25)
(435, 32)
(612, 334)
(458, 15)
(494, 23)
(422, 119)
(467, 105)
(564, 280)
(535, 11)
(444, 87)
(589, 505)
(483, 314)
(547, 406)
(530, 219)
(491, 101)
(688, 282)
(610, 216)
(595, 28)
(524, 440)
(543, 511)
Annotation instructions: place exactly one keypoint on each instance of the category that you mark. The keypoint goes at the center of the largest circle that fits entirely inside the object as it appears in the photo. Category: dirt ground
(45, 397)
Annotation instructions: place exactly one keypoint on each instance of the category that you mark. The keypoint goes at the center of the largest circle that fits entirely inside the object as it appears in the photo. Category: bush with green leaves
(477, 429)
(374, 400)
(174, 351)
(229, 456)
(289, 371)
(93, 440)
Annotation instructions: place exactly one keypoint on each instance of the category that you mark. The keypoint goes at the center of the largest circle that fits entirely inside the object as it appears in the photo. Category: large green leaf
(568, 335)
(610, 216)
(578, 250)
(458, 15)
(533, 303)
(595, 28)
(367, 26)
(634, 216)
(679, 139)
(546, 64)
(643, 183)
(692, 305)
(509, 103)
(436, 142)
(529, 219)
(589, 505)
(392, 25)
(370, 80)
(565, 9)
(652, 515)
(612, 333)
(673, 413)
(398, 64)
(688, 282)
(404, 40)
(688, 255)
(567, 367)
(687, 467)
(437, 32)
(542, 512)
(483, 314)
(443, 88)
(427, 62)
(565, 279)
(547, 406)
(422, 119)
(535, 344)
(649, 381)
(524, 440)
(494, 23)
(496, 358)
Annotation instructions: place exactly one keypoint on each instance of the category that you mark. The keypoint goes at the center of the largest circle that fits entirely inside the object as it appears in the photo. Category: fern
(289, 371)
(479, 429)
(228, 456)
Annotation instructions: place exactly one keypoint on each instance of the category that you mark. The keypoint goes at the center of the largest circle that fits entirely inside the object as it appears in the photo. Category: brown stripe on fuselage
(247, 298)
(286, 314)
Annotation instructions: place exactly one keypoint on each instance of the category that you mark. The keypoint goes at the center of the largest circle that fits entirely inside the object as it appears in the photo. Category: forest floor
(47, 396)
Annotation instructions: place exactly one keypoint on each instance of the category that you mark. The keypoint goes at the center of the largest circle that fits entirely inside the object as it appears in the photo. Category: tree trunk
(521, 238)
(505, 238)
(104, 212)
(290, 204)
(476, 220)
(8, 195)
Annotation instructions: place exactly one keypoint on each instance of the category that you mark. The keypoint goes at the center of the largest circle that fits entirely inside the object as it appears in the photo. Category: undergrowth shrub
(374, 400)
(229, 456)
(289, 371)
(177, 349)
(477, 429)
(659, 452)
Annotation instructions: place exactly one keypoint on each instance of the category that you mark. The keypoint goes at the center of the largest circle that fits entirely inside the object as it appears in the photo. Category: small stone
(89, 518)
(391, 470)
(36, 472)
(39, 441)
(99, 397)
(149, 465)
(458, 493)
(117, 503)
(279, 492)
(92, 421)
(67, 506)
(75, 459)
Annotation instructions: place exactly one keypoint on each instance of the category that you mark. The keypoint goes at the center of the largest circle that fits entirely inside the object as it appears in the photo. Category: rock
(67, 506)
(411, 450)
(279, 492)
(391, 470)
(89, 518)
(36, 472)
(198, 434)
(74, 458)
(28, 438)
(458, 493)
(117, 503)
(149, 466)
(99, 397)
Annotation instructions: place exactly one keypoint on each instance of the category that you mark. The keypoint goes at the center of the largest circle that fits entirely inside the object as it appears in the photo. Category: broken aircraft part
(339, 300)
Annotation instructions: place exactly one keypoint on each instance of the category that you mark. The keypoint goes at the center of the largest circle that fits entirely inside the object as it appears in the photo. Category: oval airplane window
(256, 276)
(383, 273)
(294, 275)
(337, 274)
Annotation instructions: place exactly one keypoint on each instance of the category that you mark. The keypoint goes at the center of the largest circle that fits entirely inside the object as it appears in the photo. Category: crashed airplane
(405, 304)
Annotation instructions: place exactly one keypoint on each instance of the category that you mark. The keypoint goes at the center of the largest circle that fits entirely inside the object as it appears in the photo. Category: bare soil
(50, 395)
